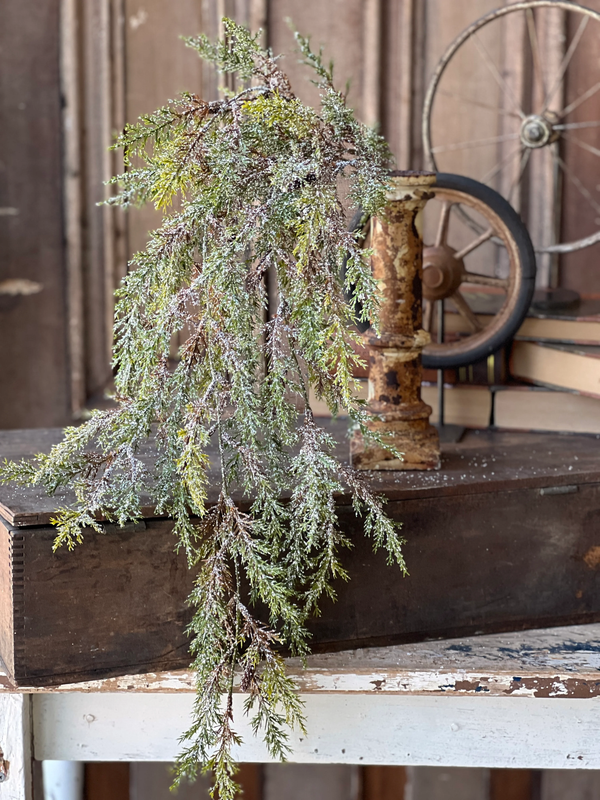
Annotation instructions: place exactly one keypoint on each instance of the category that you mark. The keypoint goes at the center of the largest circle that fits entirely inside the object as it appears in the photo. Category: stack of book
(553, 376)
(547, 380)
(559, 353)
(466, 405)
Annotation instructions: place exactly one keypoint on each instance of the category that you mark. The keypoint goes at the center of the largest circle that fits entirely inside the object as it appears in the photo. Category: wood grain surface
(32, 327)
(118, 601)
(548, 662)
(506, 536)
(483, 462)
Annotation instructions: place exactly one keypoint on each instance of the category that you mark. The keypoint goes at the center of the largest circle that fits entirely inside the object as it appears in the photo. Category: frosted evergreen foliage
(256, 180)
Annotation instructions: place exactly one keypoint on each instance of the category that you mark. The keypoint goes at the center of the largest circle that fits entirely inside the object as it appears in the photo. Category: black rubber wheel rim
(524, 265)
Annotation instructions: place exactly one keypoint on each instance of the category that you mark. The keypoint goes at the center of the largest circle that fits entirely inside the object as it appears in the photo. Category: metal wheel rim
(515, 278)
(431, 163)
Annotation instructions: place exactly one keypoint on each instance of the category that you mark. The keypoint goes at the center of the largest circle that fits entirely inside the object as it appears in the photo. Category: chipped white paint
(416, 704)
(559, 662)
(524, 732)
(15, 741)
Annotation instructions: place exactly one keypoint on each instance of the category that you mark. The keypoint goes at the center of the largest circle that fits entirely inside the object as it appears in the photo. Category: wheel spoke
(442, 231)
(584, 145)
(455, 96)
(533, 41)
(577, 183)
(484, 280)
(572, 126)
(581, 99)
(544, 85)
(502, 163)
(565, 62)
(483, 52)
(427, 315)
(522, 167)
(464, 309)
(474, 244)
(443, 148)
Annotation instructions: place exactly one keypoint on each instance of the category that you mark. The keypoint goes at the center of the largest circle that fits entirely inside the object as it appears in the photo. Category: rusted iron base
(399, 414)
(418, 441)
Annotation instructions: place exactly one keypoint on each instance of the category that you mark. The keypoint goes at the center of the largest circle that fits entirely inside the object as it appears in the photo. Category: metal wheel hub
(442, 272)
(537, 131)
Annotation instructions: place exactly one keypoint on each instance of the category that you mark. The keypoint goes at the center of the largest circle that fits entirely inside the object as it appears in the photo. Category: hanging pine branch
(256, 176)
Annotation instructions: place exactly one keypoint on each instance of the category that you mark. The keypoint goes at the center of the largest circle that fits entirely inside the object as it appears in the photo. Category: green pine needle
(250, 184)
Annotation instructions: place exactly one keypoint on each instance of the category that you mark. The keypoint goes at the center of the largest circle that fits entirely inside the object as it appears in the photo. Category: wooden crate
(506, 536)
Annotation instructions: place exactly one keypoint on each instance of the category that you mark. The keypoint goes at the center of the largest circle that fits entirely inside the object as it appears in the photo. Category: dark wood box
(505, 536)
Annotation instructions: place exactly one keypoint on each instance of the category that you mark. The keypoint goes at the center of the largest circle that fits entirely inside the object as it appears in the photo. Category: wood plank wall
(34, 357)
(92, 77)
(579, 270)
(73, 71)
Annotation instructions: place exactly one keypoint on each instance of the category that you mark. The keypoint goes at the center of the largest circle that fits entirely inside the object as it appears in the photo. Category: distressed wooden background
(73, 71)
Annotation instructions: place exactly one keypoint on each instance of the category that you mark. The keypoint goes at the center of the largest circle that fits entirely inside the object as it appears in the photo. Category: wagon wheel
(459, 266)
(530, 118)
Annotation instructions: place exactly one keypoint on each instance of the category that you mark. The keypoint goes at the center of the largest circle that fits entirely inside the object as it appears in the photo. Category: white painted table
(529, 700)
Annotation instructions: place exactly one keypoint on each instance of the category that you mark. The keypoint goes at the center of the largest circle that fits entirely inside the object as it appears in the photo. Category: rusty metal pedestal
(395, 355)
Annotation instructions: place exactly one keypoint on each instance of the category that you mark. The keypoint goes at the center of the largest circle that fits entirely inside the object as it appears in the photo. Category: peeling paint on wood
(549, 663)
(15, 743)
